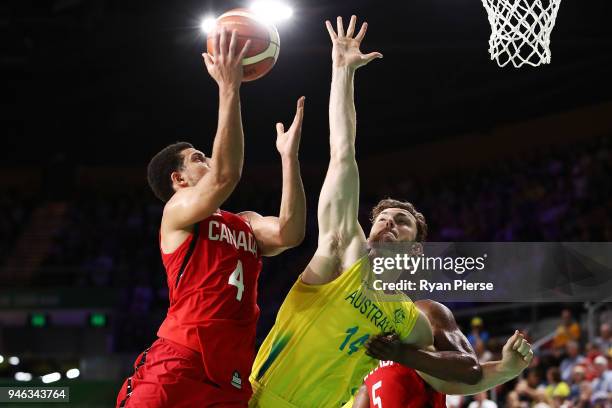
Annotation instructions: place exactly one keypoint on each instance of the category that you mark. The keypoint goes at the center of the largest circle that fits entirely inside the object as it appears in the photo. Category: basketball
(265, 42)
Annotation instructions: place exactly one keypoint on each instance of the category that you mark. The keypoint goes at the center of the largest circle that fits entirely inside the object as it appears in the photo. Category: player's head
(397, 221)
(176, 166)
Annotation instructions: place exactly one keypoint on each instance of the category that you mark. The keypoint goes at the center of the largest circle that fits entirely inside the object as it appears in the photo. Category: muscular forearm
(342, 116)
(228, 147)
(445, 365)
(493, 374)
(292, 216)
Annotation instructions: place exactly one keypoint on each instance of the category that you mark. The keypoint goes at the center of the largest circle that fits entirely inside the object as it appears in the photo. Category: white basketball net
(520, 30)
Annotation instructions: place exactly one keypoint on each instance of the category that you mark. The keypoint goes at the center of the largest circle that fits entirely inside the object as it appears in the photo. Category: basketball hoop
(520, 30)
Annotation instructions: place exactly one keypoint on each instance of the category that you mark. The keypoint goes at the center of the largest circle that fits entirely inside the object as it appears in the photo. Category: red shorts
(168, 374)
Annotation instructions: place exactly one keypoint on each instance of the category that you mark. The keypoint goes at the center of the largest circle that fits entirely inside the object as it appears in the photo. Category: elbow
(293, 238)
(473, 374)
(298, 237)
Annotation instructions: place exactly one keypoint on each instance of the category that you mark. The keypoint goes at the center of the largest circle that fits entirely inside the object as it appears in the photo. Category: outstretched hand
(225, 65)
(345, 52)
(288, 142)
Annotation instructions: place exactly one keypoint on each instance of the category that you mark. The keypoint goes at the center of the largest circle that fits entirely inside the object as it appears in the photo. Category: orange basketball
(265, 42)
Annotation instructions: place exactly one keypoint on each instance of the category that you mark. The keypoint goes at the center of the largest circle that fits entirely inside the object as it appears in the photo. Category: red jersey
(212, 281)
(392, 385)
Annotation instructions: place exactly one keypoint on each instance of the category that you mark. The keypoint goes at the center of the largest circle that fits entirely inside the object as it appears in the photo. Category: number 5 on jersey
(376, 398)
(236, 279)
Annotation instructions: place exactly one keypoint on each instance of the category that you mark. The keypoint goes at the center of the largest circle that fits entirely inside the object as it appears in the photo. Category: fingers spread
(244, 50)
(207, 60)
(216, 34)
(362, 32)
(223, 42)
(351, 27)
(340, 26)
(330, 30)
(232, 45)
(371, 56)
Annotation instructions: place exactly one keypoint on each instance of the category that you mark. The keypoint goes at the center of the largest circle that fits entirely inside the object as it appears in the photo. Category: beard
(383, 236)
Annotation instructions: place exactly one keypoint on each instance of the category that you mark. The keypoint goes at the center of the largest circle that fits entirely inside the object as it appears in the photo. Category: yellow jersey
(314, 354)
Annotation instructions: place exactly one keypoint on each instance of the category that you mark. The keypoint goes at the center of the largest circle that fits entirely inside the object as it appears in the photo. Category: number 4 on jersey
(237, 280)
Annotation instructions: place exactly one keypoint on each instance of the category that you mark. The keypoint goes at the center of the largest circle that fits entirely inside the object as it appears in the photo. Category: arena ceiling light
(21, 376)
(50, 378)
(271, 11)
(208, 23)
(73, 373)
(1, 359)
(13, 360)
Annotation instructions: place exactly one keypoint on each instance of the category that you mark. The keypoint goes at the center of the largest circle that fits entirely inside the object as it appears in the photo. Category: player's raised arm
(339, 229)
(275, 234)
(196, 202)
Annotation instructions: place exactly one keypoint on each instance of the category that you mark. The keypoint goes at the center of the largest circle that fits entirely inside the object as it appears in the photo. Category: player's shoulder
(175, 207)
(436, 312)
(248, 215)
(250, 218)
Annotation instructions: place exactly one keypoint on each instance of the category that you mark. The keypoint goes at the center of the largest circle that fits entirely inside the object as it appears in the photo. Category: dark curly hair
(162, 165)
(404, 205)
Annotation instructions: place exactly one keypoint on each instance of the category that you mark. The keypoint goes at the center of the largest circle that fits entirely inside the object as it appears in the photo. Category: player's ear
(178, 180)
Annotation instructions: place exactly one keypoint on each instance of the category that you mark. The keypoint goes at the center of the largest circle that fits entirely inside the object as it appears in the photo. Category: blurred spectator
(604, 340)
(482, 353)
(481, 401)
(601, 386)
(529, 390)
(556, 389)
(592, 350)
(578, 376)
(568, 330)
(584, 400)
(454, 401)
(513, 401)
(478, 334)
(572, 358)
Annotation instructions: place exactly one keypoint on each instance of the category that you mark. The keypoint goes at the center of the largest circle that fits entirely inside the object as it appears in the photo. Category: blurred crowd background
(104, 242)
